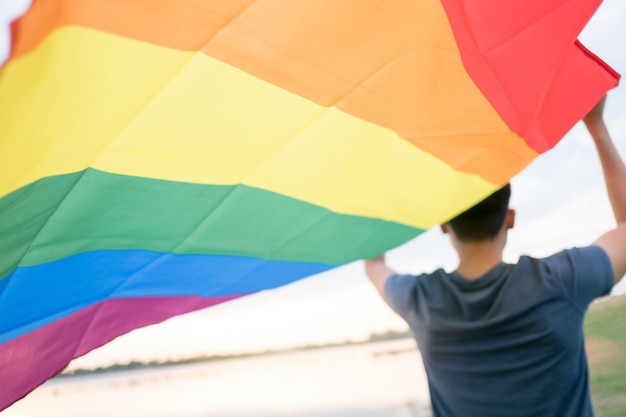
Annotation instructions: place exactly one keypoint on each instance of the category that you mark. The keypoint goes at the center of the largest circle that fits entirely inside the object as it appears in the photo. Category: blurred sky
(560, 203)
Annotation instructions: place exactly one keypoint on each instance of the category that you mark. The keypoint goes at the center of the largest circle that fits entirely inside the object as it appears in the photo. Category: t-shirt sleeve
(400, 294)
(585, 273)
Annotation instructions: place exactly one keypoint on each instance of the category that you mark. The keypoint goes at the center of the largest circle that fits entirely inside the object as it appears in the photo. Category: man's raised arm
(614, 241)
(378, 273)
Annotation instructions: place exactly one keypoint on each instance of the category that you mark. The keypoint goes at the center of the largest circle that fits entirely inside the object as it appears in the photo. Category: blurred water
(376, 379)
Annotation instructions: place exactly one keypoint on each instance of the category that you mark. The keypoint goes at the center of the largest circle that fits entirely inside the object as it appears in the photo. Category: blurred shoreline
(138, 365)
(383, 379)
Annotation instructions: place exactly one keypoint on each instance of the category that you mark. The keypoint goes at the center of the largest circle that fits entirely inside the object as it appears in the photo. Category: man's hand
(378, 273)
(594, 118)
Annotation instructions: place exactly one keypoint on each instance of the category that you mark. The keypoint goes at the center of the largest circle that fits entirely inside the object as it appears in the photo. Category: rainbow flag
(162, 156)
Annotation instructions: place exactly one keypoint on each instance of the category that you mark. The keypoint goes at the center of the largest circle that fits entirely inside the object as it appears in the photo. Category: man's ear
(445, 228)
(510, 219)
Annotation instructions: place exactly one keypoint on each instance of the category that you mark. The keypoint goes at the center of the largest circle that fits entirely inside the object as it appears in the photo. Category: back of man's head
(484, 220)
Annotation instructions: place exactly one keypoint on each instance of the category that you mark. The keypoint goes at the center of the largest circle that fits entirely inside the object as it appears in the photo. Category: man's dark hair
(484, 220)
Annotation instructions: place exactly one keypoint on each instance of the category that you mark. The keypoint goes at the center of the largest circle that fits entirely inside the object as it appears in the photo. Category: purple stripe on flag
(29, 360)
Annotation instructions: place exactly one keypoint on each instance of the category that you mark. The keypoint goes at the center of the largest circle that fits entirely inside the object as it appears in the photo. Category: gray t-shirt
(509, 343)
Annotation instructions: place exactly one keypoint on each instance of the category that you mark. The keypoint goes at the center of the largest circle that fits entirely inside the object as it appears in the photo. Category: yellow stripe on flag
(195, 119)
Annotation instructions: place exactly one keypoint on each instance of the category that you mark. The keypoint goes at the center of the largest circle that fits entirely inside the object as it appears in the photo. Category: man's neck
(478, 258)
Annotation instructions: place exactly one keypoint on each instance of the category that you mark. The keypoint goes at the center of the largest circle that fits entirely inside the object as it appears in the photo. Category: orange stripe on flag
(381, 67)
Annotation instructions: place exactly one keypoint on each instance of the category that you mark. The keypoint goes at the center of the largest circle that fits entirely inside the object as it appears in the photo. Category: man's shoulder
(423, 278)
(400, 289)
(581, 273)
(566, 256)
